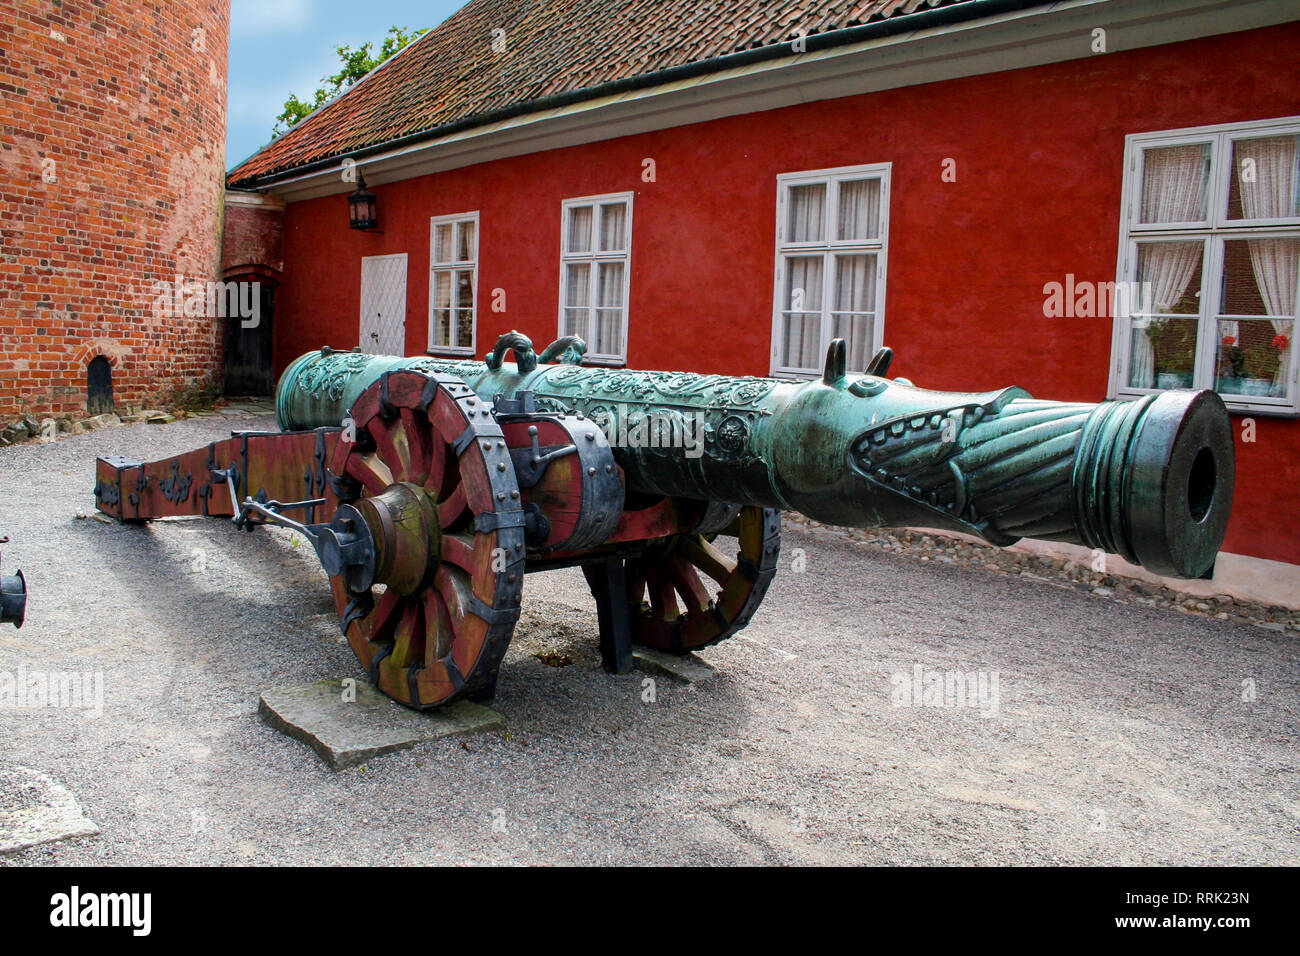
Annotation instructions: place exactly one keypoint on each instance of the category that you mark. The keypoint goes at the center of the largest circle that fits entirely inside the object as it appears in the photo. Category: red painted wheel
(430, 473)
(672, 607)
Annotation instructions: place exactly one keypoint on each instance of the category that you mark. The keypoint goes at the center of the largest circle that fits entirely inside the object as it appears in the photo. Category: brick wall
(253, 239)
(112, 148)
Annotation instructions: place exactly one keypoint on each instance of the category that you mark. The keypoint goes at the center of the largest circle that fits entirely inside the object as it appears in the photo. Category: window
(831, 229)
(453, 281)
(1210, 247)
(595, 252)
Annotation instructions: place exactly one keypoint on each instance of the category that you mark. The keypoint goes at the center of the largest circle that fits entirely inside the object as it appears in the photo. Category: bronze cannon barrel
(1150, 479)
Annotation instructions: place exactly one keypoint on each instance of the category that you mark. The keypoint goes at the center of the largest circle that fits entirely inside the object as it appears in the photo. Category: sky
(278, 47)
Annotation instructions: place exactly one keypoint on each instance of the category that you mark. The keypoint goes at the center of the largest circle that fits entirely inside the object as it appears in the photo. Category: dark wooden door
(248, 351)
(99, 386)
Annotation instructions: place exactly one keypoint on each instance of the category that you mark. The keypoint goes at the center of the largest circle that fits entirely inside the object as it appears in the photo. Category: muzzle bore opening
(1202, 478)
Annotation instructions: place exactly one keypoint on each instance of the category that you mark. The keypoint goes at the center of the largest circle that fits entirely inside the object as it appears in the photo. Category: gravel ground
(1124, 733)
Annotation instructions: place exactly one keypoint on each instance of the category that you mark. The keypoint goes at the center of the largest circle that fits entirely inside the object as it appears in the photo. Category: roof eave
(1028, 35)
(812, 44)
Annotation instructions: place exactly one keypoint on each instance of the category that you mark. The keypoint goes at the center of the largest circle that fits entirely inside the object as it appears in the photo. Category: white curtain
(577, 299)
(855, 292)
(1276, 262)
(1173, 190)
(609, 308)
(613, 227)
(803, 316)
(578, 237)
(1173, 184)
(859, 209)
(807, 213)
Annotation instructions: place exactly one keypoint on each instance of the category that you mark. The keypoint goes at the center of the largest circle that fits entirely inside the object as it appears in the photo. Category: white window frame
(453, 267)
(828, 248)
(1214, 232)
(594, 257)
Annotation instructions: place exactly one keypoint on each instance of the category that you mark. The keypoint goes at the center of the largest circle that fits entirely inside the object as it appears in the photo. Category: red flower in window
(1229, 340)
(1280, 342)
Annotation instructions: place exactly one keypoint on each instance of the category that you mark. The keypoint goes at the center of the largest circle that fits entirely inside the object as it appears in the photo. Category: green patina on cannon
(430, 486)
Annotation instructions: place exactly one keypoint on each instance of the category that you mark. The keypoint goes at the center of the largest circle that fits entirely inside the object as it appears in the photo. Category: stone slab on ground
(36, 809)
(346, 733)
(686, 668)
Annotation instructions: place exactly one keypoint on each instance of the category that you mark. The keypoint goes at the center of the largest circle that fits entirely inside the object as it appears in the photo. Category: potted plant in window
(1261, 364)
(1232, 361)
(1173, 347)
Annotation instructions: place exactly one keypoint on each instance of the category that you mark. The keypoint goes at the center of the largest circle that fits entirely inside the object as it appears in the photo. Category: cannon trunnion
(430, 487)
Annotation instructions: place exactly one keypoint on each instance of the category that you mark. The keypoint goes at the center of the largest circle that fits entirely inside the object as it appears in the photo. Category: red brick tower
(112, 150)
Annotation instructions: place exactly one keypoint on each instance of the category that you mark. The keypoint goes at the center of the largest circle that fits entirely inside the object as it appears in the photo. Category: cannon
(13, 597)
(429, 487)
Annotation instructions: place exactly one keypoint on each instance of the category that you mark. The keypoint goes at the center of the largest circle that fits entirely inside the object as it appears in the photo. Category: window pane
(807, 213)
(441, 290)
(1265, 180)
(577, 236)
(613, 227)
(855, 283)
(1174, 183)
(441, 327)
(575, 322)
(856, 330)
(465, 289)
(1164, 353)
(1169, 277)
(1253, 357)
(801, 339)
(859, 209)
(609, 292)
(1259, 276)
(442, 242)
(803, 283)
(465, 247)
(609, 332)
(465, 330)
(577, 285)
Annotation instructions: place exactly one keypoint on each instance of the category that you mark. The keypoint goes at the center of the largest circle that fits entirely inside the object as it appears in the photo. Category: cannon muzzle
(1153, 481)
(13, 599)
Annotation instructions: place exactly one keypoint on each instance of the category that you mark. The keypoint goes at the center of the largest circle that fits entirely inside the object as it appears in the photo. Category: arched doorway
(99, 386)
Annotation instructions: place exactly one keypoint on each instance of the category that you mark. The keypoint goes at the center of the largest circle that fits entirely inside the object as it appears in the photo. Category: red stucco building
(724, 186)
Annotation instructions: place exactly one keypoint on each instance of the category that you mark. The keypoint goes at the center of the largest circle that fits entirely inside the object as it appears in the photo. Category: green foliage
(355, 64)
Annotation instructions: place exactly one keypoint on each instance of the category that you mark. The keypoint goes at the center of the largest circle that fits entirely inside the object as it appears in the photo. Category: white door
(383, 304)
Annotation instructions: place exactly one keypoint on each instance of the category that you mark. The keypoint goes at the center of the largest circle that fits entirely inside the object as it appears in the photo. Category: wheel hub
(403, 521)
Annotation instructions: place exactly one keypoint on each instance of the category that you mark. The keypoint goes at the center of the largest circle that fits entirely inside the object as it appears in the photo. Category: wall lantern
(363, 208)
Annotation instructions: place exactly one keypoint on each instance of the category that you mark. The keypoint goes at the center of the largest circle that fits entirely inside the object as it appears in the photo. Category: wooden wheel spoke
(707, 558)
(456, 550)
(393, 448)
(450, 510)
(439, 630)
(436, 477)
(635, 584)
(378, 623)
(420, 443)
(408, 636)
(663, 597)
(467, 629)
(686, 581)
(373, 474)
